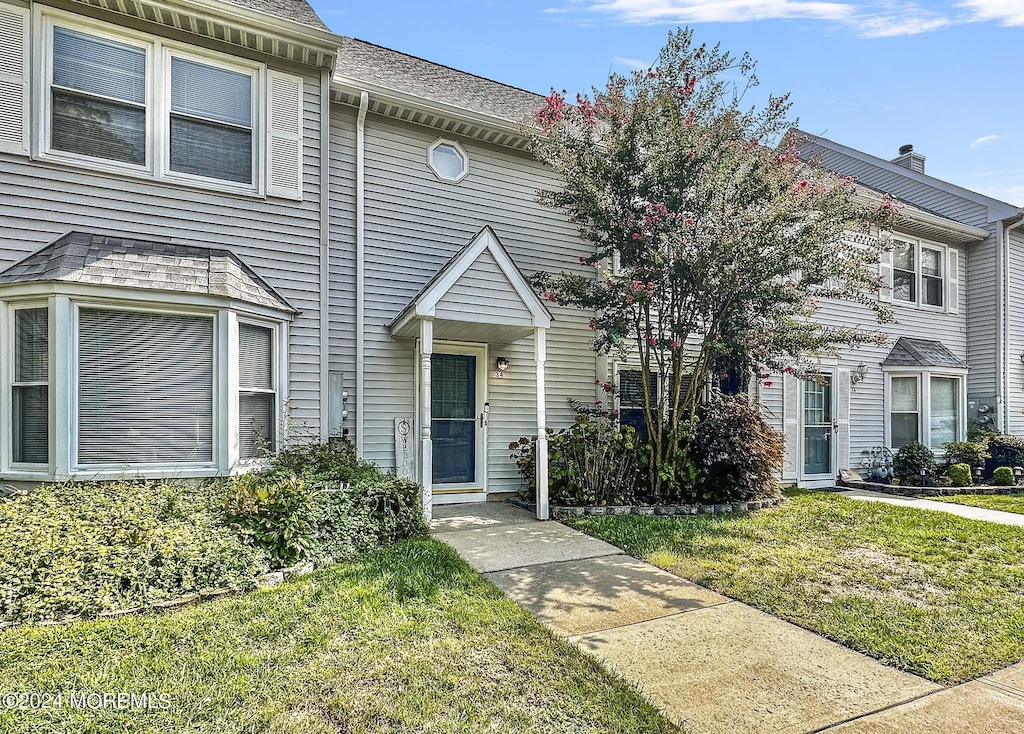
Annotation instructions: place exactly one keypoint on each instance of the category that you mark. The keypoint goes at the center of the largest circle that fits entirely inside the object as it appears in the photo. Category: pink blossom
(636, 235)
(675, 344)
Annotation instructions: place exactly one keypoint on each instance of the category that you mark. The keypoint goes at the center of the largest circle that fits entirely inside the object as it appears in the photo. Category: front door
(457, 423)
(817, 416)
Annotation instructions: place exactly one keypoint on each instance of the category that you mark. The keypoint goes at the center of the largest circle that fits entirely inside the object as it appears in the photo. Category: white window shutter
(953, 281)
(885, 272)
(14, 74)
(791, 426)
(284, 135)
(843, 418)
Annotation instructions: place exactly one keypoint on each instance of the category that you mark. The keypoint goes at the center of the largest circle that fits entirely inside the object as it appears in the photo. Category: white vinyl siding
(14, 75)
(30, 388)
(257, 400)
(145, 388)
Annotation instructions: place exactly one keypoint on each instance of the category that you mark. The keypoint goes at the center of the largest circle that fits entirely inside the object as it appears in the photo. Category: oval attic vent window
(448, 160)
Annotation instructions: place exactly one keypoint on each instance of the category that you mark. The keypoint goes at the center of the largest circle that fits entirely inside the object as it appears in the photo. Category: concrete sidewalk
(711, 663)
(973, 513)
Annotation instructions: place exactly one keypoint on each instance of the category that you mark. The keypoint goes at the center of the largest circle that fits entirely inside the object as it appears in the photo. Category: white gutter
(364, 102)
(325, 253)
(1004, 315)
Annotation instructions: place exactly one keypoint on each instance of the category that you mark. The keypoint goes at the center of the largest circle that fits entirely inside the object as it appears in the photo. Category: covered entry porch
(476, 302)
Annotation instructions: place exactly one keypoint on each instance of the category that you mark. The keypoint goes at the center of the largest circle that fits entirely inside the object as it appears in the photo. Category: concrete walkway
(974, 513)
(711, 663)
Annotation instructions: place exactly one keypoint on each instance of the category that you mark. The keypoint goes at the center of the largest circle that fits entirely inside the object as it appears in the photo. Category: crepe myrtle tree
(712, 242)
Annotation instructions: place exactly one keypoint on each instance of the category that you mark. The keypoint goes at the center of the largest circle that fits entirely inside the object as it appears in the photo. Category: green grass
(1003, 502)
(406, 639)
(927, 592)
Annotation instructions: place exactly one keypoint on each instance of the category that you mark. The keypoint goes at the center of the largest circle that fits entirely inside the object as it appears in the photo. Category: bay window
(927, 407)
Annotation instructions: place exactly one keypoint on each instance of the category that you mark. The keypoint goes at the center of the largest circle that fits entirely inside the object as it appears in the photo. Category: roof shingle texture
(297, 11)
(80, 257)
(373, 64)
(908, 352)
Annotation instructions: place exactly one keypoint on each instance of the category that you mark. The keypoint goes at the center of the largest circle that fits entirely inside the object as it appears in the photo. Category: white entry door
(818, 428)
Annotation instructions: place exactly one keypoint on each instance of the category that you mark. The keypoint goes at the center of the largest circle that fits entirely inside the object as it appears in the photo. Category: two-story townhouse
(163, 233)
(944, 363)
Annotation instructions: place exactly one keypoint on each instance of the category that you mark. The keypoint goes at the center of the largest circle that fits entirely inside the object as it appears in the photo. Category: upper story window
(448, 160)
(919, 274)
(125, 102)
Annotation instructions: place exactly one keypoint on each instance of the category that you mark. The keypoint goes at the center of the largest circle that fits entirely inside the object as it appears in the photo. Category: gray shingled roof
(909, 352)
(297, 11)
(80, 257)
(380, 66)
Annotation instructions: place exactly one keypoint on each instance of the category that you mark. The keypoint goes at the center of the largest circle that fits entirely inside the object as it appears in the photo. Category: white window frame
(8, 335)
(458, 148)
(919, 246)
(159, 52)
(64, 306)
(276, 351)
(924, 401)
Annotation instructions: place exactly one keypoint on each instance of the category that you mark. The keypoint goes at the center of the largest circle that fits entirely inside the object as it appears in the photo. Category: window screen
(145, 388)
(256, 400)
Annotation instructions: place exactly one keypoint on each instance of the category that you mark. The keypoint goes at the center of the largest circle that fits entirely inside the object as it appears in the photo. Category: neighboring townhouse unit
(944, 363)
(160, 203)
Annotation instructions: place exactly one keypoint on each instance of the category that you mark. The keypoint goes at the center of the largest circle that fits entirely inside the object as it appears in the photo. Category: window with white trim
(145, 388)
(448, 160)
(919, 274)
(30, 387)
(257, 398)
(925, 407)
(123, 101)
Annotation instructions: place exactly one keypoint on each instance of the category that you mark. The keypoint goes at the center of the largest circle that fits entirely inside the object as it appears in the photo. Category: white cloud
(984, 139)
(630, 63)
(871, 19)
(1007, 12)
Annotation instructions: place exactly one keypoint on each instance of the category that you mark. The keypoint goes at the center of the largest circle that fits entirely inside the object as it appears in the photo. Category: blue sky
(942, 75)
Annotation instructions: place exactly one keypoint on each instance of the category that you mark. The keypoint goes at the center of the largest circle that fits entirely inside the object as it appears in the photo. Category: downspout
(325, 253)
(1004, 312)
(364, 101)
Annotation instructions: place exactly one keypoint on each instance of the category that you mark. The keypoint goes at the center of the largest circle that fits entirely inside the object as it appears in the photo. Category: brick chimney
(909, 159)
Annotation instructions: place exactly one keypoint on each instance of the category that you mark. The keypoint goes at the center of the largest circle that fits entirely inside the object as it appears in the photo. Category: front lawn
(405, 639)
(927, 592)
(1003, 502)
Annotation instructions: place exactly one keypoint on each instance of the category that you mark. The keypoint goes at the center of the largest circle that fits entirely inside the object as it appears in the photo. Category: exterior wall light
(501, 364)
(859, 374)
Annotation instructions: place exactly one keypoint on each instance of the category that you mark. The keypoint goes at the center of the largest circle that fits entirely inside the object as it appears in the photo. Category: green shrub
(593, 462)
(1003, 477)
(1006, 451)
(736, 454)
(318, 463)
(275, 511)
(375, 512)
(972, 453)
(910, 460)
(960, 475)
(524, 454)
(81, 548)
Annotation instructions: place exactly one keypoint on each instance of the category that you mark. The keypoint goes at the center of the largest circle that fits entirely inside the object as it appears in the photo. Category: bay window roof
(908, 352)
(91, 259)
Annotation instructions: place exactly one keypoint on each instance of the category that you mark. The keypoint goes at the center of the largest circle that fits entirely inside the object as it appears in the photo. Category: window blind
(256, 400)
(211, 121)
(31, 401)
(145, 388)
(99, 97)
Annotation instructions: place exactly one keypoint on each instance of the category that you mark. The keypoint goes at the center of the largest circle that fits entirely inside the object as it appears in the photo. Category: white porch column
(426, 444)
(539, 339)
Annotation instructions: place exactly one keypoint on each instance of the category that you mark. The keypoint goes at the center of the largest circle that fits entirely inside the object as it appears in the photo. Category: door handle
(482, 421)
